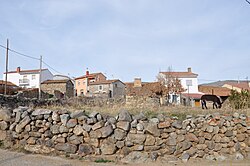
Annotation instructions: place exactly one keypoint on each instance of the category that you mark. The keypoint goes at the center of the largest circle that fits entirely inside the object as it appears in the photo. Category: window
(115, 85)
(25, 77)
(100, 87)
(79, 82)
(33, 77)
(189, 82)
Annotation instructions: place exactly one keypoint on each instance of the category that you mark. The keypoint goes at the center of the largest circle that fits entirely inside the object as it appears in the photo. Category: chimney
(18, 69)
(190, 70)
(87, 72)
(137, 83)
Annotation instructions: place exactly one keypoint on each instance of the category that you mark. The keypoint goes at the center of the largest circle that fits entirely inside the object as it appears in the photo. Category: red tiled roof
(26, 71)
(180, 74)
(192, 95)
(2, 82)
(104, 82)
(92, 75)
(55, 81)
(218, 91)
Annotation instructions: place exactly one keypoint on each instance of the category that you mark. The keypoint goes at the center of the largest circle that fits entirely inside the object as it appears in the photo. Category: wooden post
(6, 69)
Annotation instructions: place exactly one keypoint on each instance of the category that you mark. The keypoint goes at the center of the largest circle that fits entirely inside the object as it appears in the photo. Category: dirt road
(9, 158)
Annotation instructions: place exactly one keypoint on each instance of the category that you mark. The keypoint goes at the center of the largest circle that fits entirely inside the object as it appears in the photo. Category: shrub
(240, 100)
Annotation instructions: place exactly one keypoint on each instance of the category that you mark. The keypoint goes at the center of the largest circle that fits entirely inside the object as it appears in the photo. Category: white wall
(193, 88)
(33, 83)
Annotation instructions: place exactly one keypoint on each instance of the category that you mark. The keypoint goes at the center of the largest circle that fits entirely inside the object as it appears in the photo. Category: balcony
(23, 82)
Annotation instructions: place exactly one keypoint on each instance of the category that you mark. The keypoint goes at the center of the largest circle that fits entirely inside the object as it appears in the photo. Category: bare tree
(172, 82)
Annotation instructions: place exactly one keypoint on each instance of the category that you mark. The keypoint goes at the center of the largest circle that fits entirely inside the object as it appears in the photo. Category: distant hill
(221, 83)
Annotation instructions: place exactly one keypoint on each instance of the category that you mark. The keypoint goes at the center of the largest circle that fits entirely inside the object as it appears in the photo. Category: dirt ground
(10, 158)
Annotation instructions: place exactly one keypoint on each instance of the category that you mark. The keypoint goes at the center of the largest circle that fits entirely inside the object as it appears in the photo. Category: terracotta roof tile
(2, 82)
(180, 74)
(91, 75)
(219, 91)
(27, 71)
(55, 81)
(104, 82)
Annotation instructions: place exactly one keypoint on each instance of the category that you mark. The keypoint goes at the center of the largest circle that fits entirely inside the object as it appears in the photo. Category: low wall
(129, 138)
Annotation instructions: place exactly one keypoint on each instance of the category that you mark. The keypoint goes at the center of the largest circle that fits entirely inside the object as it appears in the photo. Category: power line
(51, 68)
(28, 56)
(31, 57)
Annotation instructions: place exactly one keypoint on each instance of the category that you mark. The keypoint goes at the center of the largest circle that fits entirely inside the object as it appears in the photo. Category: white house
(188, 81)
(28, 78)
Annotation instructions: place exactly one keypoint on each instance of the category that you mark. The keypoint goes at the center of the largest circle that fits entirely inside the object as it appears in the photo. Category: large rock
(164, 124)
(119, 134)
(39, 149)
(63, 129)
(135, 157)
(41, 112)
(55, 129)
(153, 129)
(55, 116)
(177, 124)
(150, 140)
(68, 148)
(85, 149)
(108, 148)
(78, 130)
(64, 119)
(3, 125)
(106, 131)
(5, 115)
(71, 123)
(22, 124)
(136, 138)
(124, 116)
(98, 125)
(191, 137)
(124, 125)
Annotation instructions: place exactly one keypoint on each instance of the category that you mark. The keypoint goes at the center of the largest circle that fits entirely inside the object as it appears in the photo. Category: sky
(125, 39)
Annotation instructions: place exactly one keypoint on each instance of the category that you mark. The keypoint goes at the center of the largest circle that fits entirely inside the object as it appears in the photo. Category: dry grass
(179, 111)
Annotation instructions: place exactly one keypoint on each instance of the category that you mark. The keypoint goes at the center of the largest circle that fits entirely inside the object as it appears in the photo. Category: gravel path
(10, 158)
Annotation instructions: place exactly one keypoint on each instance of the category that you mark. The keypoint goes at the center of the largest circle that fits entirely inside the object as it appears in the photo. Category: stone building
(58, 88)
(107, 89)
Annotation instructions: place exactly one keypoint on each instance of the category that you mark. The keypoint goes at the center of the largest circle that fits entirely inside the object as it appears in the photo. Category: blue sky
(129, 38)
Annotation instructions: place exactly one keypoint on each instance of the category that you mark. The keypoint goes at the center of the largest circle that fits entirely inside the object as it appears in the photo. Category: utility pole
(40, 77)
(6, 65)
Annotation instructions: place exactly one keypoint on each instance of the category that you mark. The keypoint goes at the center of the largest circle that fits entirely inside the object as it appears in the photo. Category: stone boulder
(5, 115)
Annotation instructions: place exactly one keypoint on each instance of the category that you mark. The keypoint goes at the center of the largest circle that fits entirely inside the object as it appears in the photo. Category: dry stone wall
(131, 138)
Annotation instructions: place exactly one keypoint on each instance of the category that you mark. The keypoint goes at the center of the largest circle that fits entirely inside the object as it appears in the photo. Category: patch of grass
(101, 160)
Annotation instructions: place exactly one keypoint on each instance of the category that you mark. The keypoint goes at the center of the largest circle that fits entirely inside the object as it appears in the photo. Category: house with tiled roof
(189, 83)
(82, 82)
(107, 89)
(28, 78)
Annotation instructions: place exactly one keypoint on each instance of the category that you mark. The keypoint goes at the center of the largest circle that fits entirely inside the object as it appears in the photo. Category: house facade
(107, 89)
(58, 88)
(189, 83)
(28, 78)
(82, 83)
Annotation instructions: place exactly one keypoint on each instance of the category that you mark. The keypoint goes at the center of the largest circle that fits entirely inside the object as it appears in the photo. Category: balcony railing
(24, 81)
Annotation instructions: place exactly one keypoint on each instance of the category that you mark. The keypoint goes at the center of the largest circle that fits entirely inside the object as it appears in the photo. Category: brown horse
(217, 102)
